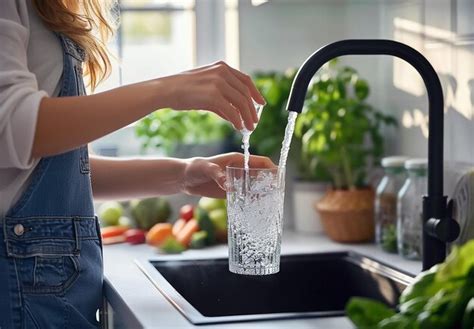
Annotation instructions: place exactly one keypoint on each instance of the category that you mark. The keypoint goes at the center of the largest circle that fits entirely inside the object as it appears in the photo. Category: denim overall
(50, 248)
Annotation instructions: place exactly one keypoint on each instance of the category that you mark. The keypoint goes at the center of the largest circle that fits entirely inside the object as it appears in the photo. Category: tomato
(186, 212)
(135, 236)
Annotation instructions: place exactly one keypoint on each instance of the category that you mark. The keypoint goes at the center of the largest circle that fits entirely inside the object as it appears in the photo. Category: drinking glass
(255, 213)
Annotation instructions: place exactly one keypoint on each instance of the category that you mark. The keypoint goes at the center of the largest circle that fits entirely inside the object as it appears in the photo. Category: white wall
(281, 34)
(436, 29)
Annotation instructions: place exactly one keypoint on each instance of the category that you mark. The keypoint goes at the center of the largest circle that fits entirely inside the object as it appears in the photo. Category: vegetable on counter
(218, 218)
(366, 313)
(119, 234)
(198, 240)
(113, 234)
(205, 224)
(184, 236)
(178, 226)
(196, 227)
(468, 317)
(109, 213)
(113, 240)
(186, 212)
(151, 211)
(172, 246)
(135, 236)
(210, 204)
(159, 233)
(439, 298)
(112, 231)
(126, 221)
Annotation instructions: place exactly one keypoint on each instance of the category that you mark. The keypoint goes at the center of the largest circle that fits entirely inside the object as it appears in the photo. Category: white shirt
(31, 65)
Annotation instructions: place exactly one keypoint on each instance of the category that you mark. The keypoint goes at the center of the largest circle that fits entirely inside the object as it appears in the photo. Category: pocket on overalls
(45, 252)
(47, 274)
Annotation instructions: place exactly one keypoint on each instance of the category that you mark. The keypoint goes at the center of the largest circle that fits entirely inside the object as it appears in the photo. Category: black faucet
(438, 225)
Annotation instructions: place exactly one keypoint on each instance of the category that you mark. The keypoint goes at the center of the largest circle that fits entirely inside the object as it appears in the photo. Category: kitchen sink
(308, 285)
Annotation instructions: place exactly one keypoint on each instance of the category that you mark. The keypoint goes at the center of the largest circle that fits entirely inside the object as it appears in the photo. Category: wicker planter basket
(348, 215)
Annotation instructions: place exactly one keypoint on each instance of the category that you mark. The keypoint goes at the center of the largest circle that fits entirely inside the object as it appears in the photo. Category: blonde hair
(89, 23)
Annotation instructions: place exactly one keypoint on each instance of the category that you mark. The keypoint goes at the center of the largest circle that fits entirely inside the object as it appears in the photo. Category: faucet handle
(446, 229)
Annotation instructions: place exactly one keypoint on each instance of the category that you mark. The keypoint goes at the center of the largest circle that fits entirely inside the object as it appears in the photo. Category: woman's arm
(121, 179)
(66, 123)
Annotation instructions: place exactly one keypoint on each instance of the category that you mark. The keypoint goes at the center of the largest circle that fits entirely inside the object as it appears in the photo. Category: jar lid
(421, 163)
(394, 161)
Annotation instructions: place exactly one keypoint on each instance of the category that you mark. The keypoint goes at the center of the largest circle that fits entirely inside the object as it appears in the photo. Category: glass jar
(410, 209)
(385, 215)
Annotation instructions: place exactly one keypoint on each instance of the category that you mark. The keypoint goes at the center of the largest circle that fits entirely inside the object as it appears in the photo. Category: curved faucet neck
(434, 203)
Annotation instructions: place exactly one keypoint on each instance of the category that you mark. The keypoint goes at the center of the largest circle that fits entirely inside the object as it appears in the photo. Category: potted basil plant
(340, 139)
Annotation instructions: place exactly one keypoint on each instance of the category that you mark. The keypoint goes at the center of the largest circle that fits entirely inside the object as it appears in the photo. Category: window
(155, 38)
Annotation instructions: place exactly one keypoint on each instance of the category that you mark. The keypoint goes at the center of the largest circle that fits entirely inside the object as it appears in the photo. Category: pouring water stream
(285, 147)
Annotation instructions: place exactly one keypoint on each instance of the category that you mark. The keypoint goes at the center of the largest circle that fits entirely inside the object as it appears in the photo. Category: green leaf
(340, 121)
(440, 298)
(346, 74)
(333, 62)
(366, 313)
(398, 321)
(166, 128)
(468, 316)
(445, 309)
(361, 89)
(422, 286)
(458, 263)
(414, 306)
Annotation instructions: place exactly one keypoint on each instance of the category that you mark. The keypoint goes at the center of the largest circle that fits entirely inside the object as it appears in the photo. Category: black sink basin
(308, 285)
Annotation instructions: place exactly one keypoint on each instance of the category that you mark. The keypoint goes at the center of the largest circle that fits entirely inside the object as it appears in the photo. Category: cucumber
(172, 246)
(205, 224)
(198, 240)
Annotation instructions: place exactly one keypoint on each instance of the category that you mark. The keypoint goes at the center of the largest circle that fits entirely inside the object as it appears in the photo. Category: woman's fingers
(218, 88)
(224, 116)
(239, 86)
(240, 102)
(261, 162)
(206, 176)
(255, 161)
(247, 80)
(223, 108)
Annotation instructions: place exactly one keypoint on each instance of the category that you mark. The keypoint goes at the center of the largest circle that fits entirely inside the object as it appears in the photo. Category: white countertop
(140, 305)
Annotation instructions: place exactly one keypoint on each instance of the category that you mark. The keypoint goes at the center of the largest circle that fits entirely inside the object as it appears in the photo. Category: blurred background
(158, 37)
(270, 40)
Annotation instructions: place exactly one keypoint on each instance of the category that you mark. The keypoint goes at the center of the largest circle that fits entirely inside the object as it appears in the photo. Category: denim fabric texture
(50, 247)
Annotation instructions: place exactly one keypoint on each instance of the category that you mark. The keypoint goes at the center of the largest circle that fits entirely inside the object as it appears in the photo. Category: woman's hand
(206, 176)
(217, 88)
(125, 179)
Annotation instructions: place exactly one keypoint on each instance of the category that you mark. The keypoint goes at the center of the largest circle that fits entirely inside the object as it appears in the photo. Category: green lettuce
(439, 298)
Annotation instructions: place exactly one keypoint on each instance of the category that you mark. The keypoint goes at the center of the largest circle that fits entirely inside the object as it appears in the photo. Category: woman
(50, 252)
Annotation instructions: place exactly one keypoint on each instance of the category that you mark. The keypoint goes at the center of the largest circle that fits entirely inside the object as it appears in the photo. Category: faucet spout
(436, 219)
